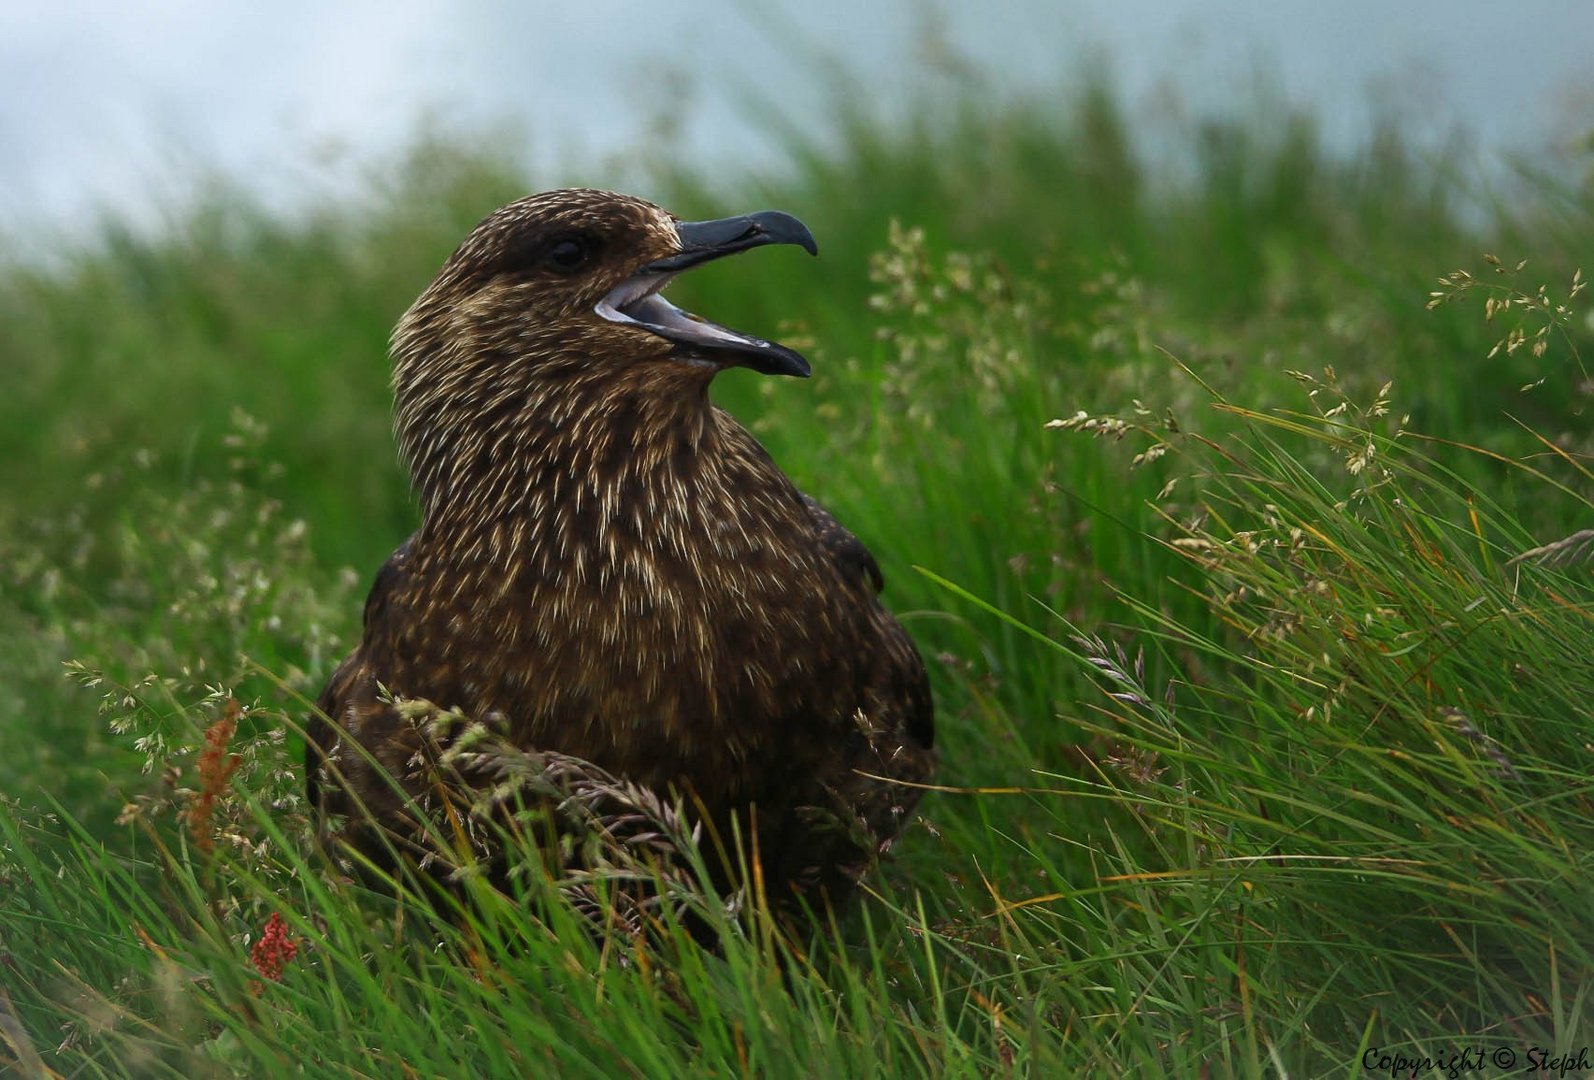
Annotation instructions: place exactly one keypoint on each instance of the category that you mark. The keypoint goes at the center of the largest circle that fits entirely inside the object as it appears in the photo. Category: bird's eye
(567, 255)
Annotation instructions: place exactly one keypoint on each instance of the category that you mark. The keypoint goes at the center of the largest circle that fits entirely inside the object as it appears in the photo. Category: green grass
(1262, 746)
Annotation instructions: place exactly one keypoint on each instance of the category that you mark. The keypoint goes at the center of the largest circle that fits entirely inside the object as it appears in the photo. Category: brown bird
(610, 567)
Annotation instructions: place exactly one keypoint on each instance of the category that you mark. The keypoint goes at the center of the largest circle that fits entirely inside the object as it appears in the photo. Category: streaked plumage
(609, 567)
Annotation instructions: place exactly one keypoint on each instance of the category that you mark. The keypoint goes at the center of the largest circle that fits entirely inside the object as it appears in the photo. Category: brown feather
(610, 567)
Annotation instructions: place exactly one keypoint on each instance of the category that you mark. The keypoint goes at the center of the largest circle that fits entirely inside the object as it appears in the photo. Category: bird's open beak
(637, 301)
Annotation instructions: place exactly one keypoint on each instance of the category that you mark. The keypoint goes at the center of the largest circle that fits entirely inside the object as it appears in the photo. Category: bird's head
(578, 274)
(548, 314)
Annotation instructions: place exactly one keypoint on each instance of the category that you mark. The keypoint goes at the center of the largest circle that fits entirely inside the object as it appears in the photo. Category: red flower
(216, 767)
(274, 949)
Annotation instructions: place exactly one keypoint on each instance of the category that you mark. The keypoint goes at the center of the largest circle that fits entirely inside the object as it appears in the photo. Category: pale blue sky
(108, 104)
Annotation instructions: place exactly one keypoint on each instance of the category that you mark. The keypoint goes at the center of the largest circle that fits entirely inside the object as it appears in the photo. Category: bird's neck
(565, 461)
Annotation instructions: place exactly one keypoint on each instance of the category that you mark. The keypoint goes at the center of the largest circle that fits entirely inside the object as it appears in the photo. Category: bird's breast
(671, 632)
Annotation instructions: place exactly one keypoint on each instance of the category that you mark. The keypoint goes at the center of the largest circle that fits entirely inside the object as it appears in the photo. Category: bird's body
(611, 567)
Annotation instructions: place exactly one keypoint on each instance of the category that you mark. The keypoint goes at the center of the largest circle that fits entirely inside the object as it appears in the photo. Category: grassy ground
(1266, 734)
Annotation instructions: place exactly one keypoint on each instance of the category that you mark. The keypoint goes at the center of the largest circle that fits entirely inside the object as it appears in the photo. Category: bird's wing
(855, 561)
(867, 789)
(349, 681)
(900, 677)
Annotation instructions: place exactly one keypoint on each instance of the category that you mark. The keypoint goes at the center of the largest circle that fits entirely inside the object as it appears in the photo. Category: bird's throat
(579, 479)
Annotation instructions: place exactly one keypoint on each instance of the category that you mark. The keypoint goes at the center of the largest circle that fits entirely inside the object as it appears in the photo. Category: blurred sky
(106, 105)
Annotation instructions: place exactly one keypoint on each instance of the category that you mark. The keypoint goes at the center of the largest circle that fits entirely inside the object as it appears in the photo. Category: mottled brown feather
(612, 568)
